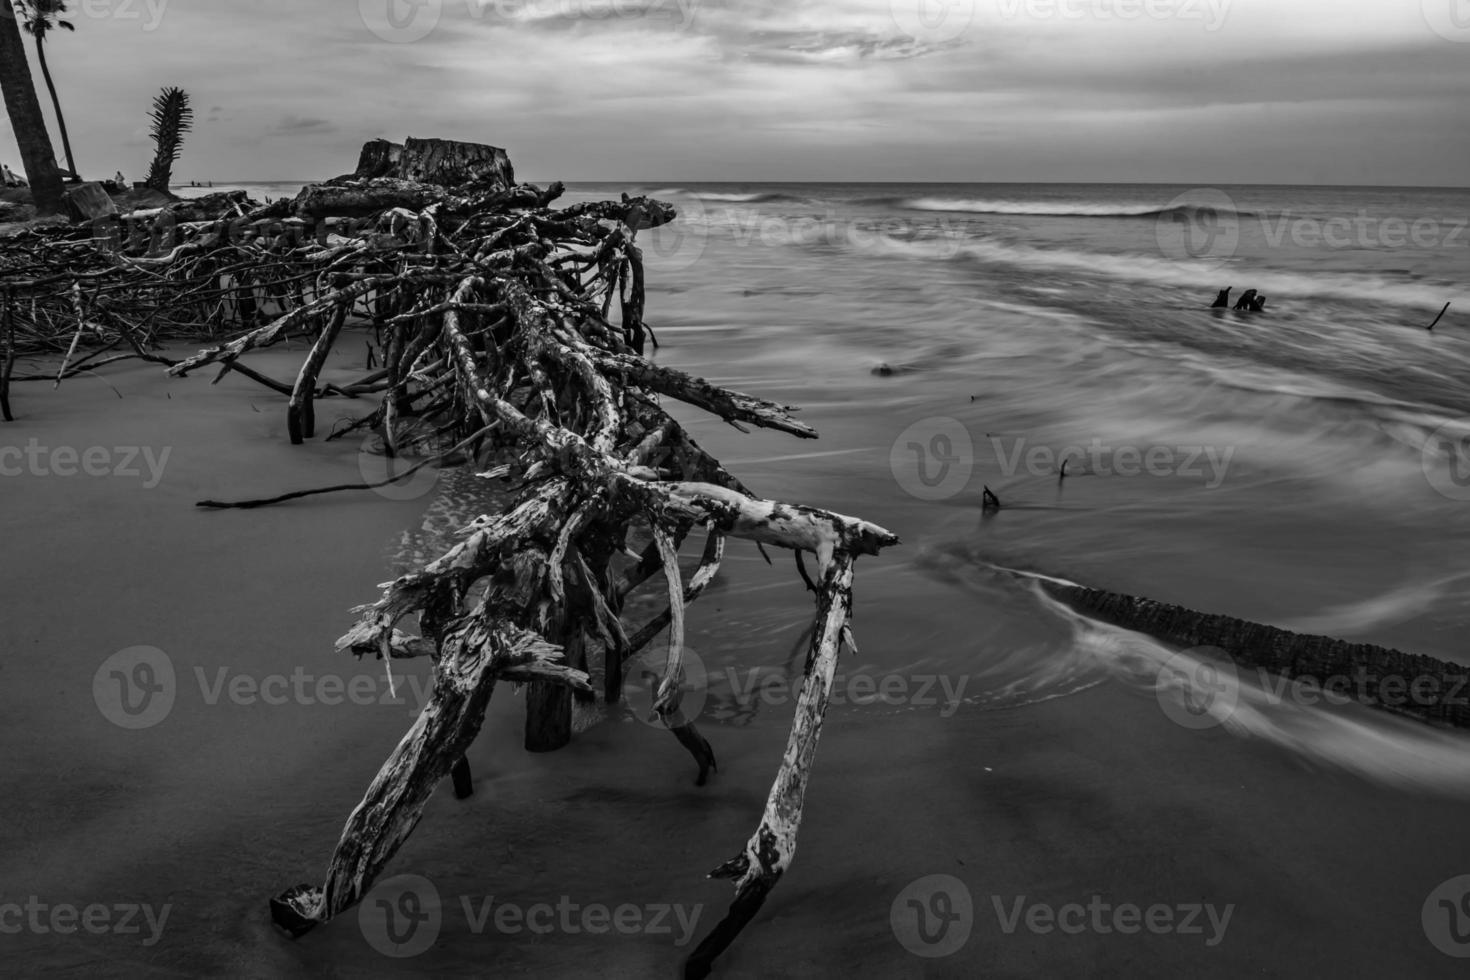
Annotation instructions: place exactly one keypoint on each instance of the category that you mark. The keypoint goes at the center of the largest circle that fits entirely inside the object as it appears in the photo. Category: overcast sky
(1189, 91)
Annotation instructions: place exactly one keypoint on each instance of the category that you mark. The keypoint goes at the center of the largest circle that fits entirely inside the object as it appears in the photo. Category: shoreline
(243, 799)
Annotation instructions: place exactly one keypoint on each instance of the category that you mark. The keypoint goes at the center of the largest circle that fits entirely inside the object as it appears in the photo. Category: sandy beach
(839, 489)
(1094, 797)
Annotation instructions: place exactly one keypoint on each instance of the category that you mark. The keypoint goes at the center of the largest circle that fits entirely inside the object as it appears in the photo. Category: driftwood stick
(300, 415)
(296, 495)
(770, 850)
(8, 368)
(709, 567)
(548, 704)
(464, 784)
(474, 654)
(671, 688)
(76, 301)
(1442, 312)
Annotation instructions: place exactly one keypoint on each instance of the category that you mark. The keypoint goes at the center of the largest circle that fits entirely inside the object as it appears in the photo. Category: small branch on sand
(76, 298)
(298, 494)
(7, 322)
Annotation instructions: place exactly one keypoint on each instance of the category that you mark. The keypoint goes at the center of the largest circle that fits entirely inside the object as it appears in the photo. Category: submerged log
(1378, 674)
(1251, 302)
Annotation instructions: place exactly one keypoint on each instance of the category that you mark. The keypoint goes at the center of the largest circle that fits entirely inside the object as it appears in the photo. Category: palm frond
(172, 118)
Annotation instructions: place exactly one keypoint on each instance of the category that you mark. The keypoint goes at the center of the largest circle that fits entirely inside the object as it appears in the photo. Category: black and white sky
(1188, 91)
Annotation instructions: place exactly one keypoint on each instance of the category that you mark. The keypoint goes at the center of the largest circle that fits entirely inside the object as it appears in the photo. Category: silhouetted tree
(172, 118)
(41, 17)
(26, 120)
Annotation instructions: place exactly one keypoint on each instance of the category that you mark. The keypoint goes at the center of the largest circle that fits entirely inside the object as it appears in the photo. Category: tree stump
(452, 164)
(88, 202)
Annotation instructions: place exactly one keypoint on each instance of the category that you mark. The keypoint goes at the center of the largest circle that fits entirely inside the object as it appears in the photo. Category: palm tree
(25, 116)
(172, 119)
(41, 16)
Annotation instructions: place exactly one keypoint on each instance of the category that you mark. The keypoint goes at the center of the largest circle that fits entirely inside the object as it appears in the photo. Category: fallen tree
(515, 331)
(1440, 698)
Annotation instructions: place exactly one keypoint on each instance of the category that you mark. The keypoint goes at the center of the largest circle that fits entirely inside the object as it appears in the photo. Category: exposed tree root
(491, 312)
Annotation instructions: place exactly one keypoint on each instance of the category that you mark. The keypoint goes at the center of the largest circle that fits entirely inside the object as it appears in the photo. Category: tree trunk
(71, 163)
(1291, 655)
(451, 163)
(25, 116)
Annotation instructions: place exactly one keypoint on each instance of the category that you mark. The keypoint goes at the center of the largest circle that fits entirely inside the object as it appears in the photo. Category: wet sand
(219, 806)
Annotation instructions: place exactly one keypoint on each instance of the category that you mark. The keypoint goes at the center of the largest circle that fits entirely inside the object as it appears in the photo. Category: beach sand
(220, 806)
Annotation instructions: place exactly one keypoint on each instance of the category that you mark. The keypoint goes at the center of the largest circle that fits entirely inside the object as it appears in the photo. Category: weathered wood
(1251, 302)
(1442, 312)
(300, 413)
(89, 202)
(770, 850)
(317, 201)
(464, 785)
(493, 307)
(379, 158)
(1292, 655)
(473, 654)
(7, 323)
(449, 163)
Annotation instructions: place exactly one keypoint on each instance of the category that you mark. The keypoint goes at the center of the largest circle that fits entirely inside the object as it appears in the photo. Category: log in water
(1382, 676)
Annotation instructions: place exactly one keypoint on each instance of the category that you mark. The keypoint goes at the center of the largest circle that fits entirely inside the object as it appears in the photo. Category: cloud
(296, 125)
(1270, 90)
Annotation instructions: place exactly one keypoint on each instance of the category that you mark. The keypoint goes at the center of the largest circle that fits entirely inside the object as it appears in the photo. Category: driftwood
(1380, 676)
(1442, 312)
(1250, 301)
(518, 331)
(89, 202)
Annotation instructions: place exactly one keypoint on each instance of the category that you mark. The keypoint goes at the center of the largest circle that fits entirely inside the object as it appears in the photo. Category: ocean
(1302, 466)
